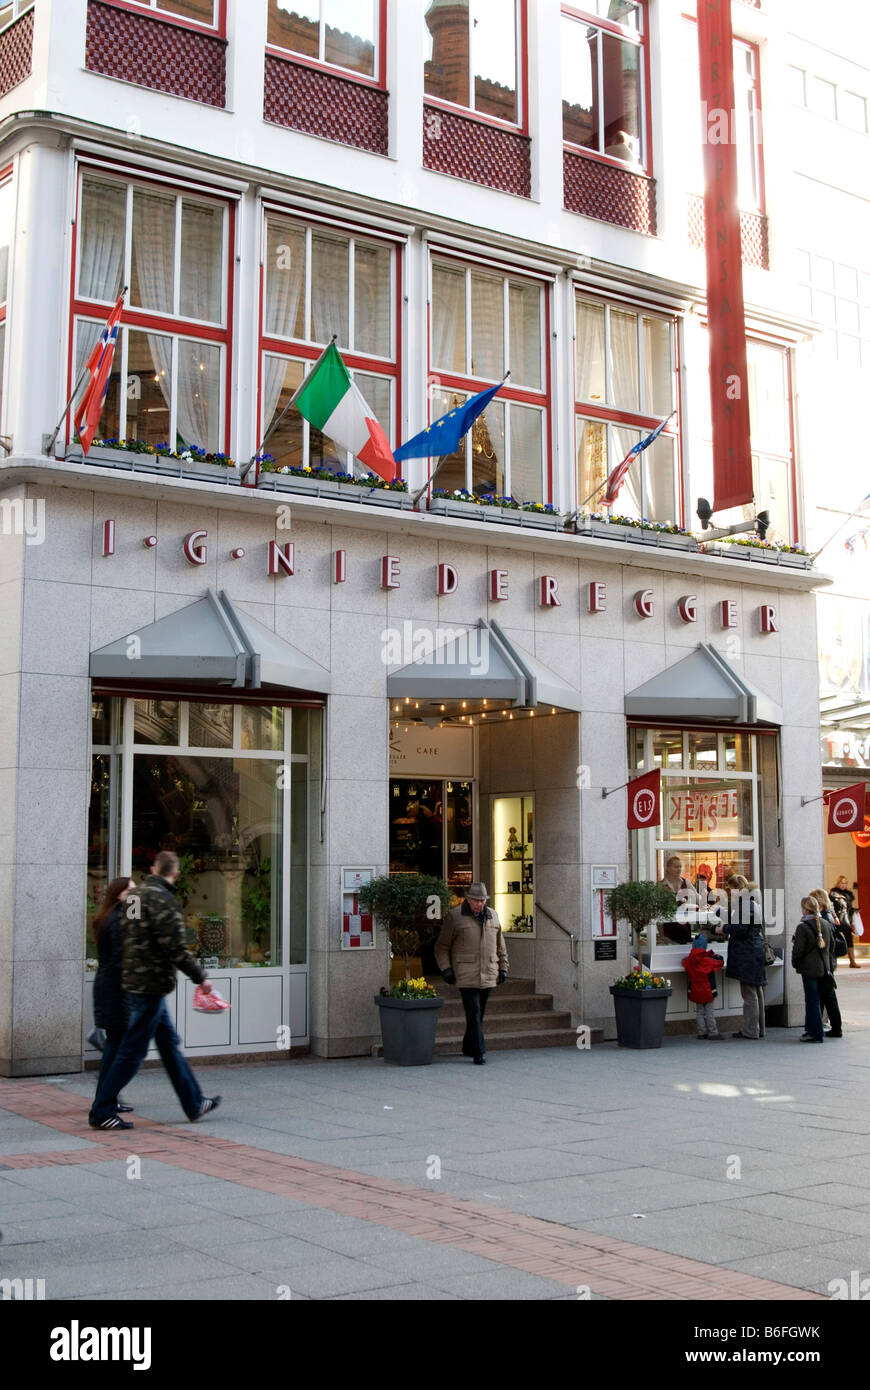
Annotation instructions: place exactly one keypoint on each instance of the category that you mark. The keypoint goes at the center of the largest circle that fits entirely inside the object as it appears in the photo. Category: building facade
(297, 680)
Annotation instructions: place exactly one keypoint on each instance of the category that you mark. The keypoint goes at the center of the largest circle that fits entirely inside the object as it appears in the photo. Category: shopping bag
(208, 1003)
(857, 924)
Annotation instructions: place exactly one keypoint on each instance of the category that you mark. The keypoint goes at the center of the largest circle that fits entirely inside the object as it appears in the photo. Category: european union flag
(443, 436)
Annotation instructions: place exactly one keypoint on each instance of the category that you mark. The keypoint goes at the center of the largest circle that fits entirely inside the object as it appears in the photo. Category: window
(853, 111)
(709, 806)
(207, 14)
(12, 10)
(473, 56)
(343, 33)
(319, 281)
(6, 218)
(798, 82)
(770, 418)
(747, 130)
(625, 385)
(604, 80)
(838, 296)
(823, 97)
(173, 349)
(484, 323)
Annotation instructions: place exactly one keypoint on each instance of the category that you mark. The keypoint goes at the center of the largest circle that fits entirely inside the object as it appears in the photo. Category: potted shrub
(640, 999)
(410, 906)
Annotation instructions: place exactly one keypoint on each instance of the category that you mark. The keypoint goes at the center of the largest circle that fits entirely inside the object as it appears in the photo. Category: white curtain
(201, 262)
(198, 394)
(103, 222)
(590, 353)
(285, 297)
(623, 359)
(448, 320)
(628, 503)
(329, 289)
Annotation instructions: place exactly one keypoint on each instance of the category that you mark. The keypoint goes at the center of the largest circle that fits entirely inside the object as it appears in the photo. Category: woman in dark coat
(741, 925)
(843, 902)
(108, 995)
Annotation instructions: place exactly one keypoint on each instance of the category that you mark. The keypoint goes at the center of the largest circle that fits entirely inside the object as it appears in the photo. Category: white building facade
(236, 668)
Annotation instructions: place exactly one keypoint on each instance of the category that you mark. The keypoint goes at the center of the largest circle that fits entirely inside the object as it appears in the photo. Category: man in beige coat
(471, 954)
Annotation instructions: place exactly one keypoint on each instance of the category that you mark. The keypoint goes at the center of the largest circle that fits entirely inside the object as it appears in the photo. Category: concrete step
(509, 1003)
(507, 1023)
(504, 1042)
(510, 986)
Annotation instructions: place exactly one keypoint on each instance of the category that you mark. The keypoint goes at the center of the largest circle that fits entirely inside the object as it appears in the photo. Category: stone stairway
(515, 1017)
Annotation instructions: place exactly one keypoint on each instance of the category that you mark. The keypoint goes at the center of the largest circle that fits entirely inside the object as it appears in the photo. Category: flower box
(502, 516)
(760, 553)
(357, 493)
(639, 535)
(133, 461)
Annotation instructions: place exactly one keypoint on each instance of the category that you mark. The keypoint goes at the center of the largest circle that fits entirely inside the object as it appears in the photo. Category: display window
(485, 322)
(432, 829)
(320, 281)
(225, 786)
(171, 248)
(513, 862)
(710, 822)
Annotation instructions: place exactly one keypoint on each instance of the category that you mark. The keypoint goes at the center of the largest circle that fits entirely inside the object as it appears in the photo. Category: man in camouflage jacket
(153, 950)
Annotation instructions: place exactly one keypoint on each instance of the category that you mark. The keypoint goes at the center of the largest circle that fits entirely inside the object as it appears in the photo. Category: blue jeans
(819, 994)
(147, 1018)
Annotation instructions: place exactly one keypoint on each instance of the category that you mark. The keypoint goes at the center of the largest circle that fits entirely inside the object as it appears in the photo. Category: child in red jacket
(700, 965)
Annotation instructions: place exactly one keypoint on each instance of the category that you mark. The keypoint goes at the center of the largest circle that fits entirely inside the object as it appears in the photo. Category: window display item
(212, 1003)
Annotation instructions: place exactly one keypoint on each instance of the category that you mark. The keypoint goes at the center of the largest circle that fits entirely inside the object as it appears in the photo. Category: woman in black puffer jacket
(108, 995)
(742, 927)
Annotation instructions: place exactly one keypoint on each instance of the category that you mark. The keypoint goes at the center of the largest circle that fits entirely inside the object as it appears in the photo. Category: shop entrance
(432, 829)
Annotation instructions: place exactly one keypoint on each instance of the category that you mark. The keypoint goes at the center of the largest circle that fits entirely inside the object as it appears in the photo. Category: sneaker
(808, 1038)
(480, 1061)
(831, 1034)
(207, 1106)
(124, 1109)
(113, 1122)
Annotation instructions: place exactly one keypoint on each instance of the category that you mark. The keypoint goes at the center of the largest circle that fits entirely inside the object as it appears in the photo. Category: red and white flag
(645, 801)
(846, 809)
(99, 367)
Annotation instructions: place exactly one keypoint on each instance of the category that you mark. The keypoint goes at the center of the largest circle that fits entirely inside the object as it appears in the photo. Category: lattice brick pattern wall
(470, 149)
(753, 233)
(610, 194)
(152, 53)
(16, 53)
(320, 103)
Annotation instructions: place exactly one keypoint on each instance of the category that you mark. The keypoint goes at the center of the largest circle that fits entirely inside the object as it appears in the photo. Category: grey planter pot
(335, 492)
(408, 1028)
(541, 521)
(443, 506)
(640, 1016)
(133, 462)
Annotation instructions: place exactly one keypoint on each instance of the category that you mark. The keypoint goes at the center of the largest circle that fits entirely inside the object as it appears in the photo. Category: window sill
(451, 108)
(299, 60)
(605, 161)
(211, 31)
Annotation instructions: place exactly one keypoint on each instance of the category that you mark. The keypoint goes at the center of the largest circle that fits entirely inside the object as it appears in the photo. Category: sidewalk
(712, 1171)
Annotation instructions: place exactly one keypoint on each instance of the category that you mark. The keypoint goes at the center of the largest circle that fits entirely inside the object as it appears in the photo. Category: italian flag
(333, 403)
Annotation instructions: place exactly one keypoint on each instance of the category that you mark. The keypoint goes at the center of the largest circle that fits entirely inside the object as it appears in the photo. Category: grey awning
(212, 643)
(477, 666)
(702, 687)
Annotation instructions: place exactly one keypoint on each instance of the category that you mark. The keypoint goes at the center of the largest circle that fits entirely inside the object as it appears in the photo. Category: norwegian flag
(99, 368)
(617, 477)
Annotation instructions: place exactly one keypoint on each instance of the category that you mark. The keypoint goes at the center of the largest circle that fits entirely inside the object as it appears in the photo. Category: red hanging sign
(846, 809)
(645, 801)
(729, 399)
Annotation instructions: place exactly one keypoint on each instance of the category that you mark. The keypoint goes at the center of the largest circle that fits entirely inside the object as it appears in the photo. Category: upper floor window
(474, 54)
(839, 296)
(483, 324)
(746, 132)
(604, 79)
(343, 33)
(210, 14)
(170, 248)
(12, 9)
(625, 385)
(319, 281)
(6, 213)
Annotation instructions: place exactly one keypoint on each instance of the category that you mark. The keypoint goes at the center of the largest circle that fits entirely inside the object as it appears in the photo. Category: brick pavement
(615, 1269)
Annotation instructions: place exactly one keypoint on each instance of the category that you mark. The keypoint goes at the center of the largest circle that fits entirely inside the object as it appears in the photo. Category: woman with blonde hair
(812, 955)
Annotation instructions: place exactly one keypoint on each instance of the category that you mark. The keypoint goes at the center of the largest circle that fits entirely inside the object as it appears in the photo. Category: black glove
(502, 976)
(449, 977)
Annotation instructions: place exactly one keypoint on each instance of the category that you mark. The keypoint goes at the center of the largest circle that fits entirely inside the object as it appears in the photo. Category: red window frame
(379, 80)
(216, 30)
(620, 31)
(146, 320)
(470, 385)
(522, 125)
(298, 349)
(611, 415)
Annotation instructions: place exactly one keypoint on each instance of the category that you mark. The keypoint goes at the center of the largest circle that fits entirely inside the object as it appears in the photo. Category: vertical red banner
(729, 398)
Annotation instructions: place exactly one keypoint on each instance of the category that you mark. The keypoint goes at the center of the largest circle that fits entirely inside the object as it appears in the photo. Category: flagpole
(288, 407)
(81, 376)
(415, 497)
(840, 528)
